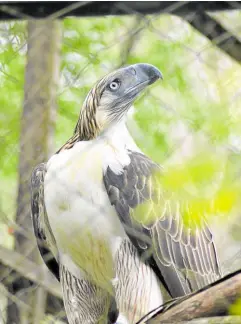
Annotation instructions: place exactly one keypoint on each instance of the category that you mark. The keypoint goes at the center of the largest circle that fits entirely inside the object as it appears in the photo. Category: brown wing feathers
(186, 257)
(43, 233)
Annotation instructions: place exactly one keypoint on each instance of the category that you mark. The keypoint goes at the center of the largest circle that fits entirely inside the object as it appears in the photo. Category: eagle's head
(112, 96)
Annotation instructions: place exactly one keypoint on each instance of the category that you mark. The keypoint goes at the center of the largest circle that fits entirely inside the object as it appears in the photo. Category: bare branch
(215, 320)
(211, 301)
(214, 31)
(30, 270)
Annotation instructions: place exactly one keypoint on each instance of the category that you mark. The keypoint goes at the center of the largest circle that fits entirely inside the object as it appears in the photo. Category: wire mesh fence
(189, 123)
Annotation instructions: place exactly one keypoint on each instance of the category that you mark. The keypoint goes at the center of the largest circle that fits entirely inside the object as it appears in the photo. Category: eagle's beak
(147, 73)
(141, 75)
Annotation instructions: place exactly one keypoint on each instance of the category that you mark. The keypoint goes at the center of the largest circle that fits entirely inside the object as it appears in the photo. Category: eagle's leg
(137, 289)
(86, 303)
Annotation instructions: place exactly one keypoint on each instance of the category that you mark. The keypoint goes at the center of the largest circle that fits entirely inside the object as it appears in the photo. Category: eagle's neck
(116, 134)
(119, 137)
(87, 127)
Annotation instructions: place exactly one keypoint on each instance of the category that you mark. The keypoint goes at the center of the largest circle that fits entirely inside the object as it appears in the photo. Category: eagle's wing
(45, 239)
(185, 257)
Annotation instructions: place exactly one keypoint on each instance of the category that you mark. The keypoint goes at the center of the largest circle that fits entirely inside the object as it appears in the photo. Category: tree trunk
(36, 145)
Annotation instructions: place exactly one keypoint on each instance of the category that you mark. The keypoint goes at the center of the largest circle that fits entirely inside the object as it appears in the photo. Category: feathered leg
(86, 303)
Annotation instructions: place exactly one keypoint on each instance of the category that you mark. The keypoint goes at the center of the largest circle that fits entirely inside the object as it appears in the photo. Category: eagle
(101, 218)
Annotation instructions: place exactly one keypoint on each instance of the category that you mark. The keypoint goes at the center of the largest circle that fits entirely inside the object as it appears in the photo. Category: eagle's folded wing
(184, 256)
(45, 239)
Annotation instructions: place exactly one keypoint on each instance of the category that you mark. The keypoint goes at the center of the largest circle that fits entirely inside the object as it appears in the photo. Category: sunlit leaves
(199, 171)
(235, 309)
(12, 62)
(201, 186)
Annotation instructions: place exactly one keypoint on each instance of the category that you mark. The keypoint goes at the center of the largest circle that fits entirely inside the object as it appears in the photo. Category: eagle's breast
(85, 225)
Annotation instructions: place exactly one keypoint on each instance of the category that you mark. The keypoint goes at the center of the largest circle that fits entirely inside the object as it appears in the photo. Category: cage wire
(193, 115)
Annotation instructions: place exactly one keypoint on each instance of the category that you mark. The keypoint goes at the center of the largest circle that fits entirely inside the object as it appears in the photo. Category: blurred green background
(190, 122)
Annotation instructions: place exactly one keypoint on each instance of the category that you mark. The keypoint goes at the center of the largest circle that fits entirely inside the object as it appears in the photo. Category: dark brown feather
(185, 257)
(45, 239)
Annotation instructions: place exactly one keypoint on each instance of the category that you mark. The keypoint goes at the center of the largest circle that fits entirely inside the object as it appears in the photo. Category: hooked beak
(147, 72)
(144, 75)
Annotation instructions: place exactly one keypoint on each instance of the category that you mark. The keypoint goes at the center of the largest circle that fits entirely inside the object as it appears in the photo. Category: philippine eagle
(87, 216)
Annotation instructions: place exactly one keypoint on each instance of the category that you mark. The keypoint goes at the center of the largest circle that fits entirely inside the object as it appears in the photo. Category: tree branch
(217, 34)
(214, 320)
(210, 301)
(29, 270)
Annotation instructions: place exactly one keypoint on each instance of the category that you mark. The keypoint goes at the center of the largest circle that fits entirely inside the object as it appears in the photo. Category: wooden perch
(30, 270)
(211, 301)
(215, 320)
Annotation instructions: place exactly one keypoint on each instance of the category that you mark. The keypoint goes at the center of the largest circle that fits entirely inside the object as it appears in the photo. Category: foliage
(235, 308)
(190, 122)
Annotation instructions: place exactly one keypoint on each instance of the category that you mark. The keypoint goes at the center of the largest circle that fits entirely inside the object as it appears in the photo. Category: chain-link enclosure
(51, 54)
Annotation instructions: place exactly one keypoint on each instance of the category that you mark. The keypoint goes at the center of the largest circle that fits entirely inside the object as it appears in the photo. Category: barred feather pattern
(136, 285)
(136, 292)
(84, 302)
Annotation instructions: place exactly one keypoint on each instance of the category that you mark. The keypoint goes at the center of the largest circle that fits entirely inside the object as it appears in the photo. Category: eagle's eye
(114, 85)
